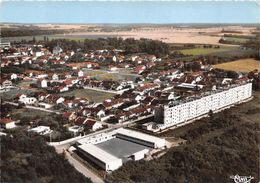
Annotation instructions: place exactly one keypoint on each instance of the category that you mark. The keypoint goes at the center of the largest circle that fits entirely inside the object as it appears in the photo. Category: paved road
(33, 107)
(83, 169)
(102, 90)
(60, 147)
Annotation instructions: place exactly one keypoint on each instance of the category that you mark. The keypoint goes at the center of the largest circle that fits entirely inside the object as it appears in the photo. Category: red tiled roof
(67, 114)
(6, 120)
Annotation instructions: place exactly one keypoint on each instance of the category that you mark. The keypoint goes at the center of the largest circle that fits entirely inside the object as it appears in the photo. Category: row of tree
(130, 45)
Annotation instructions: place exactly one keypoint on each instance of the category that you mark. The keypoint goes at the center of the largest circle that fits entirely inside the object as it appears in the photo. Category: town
(106, 107)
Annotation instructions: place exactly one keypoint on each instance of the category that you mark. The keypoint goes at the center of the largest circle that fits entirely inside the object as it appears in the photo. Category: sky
(127, 12)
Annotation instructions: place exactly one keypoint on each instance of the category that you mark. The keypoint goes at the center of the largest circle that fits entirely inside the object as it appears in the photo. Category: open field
(122, 74)
(91, 95)
(203, 51)
(30, 113)
(236, 39)
(116, 77)
(168, 34)
(88, 72)
(243, 65)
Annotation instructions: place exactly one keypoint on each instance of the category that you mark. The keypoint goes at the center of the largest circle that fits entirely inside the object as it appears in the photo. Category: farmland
(243, 65)
(202, 51)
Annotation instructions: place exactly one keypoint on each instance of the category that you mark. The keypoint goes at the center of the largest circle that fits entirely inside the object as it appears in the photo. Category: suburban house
(27, 100)
(113, 103)
(43, 83)
(57, 50)
(69, 115)
(5, 83)
(88, 123)
(139, 69)
(7, 123)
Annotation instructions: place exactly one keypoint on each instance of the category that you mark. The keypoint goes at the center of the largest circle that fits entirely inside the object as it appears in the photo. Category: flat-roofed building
(140, 138)
(100, 157)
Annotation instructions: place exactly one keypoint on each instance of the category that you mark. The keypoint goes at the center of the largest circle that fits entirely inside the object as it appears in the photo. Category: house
(113, 68)
(5, 83)
(45, 105)
(63, 89)
(7, 123)
(27, 100)
(75, 129)
(101, 113)
(93, 125)
(113, 103)
(41, 130)
(57, 50)
(44, 83)
(60, 100)
(69, 115)
(68, 82)
(13, 76)
(55, 77)
(139, 69)
(80, 73)
(87, 123)
(114, 58)
(145, 87)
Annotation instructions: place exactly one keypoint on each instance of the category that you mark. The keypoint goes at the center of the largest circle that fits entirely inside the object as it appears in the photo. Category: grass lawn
(93, 72)
(115, 77)
(92, 95)
(204, 51)
(23, 112)
(243, 65)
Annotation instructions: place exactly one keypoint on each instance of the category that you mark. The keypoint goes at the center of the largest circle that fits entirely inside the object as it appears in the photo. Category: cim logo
(241, 179)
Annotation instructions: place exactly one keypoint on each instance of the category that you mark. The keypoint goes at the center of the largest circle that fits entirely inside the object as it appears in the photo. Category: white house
(13, 76)
(7, 123)
(75, 129)
(41, 130)
(114, 58)
(113, 69)
(80, 73)
(57, 50)
(44, 83)
(39, 53)
(55, 77)
(27, 100)
(60, 100)
(101, 113)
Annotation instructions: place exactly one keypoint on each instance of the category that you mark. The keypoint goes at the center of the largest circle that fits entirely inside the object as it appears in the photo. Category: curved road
(83, 169)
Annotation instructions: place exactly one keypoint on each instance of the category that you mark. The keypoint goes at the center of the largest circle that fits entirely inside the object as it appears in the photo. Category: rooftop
(135, 134)
(99, 153)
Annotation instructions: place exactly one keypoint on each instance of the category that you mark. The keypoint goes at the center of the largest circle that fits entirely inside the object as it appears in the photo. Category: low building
(75, 129)
(27, 100)
(100, 157)
(45, 105)
(41, 130)
(7, 123)
(140, 138)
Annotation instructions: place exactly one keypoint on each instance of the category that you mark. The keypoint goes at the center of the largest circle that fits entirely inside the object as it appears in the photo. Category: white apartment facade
(181, 111)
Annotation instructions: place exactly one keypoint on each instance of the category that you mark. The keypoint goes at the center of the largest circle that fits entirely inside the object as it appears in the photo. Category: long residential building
(177, 112)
